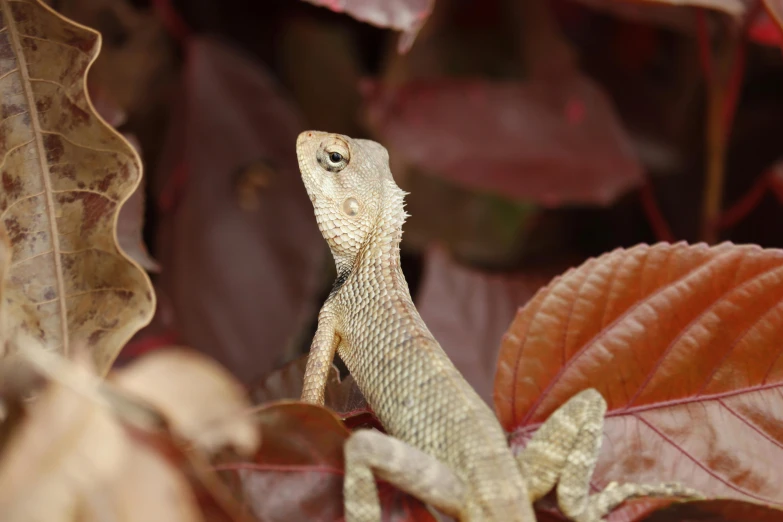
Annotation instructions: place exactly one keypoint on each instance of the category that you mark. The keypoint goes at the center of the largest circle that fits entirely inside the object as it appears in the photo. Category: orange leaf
(684, 342)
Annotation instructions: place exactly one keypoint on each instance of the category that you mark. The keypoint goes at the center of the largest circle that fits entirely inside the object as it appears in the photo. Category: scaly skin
(453, 452)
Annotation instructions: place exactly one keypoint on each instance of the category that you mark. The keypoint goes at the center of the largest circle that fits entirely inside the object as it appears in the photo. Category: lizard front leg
(565, 450)
(319, 362)
(370, 453)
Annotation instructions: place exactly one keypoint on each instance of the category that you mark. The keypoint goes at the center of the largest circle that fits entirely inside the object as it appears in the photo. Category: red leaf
(298, 472)
(468, 311)
(766, 30)
(239, 283)
(766, 33)
(130, 223)
(552, 141)
(776, 180)
(717, 511)
(407, 16)
(684, 342)
(341, 396)
(658, 14)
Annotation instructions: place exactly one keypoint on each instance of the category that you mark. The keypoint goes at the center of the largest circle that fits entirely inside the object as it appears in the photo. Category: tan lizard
(445, 446)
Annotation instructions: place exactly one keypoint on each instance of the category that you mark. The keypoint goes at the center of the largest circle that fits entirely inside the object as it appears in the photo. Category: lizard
(444, 445)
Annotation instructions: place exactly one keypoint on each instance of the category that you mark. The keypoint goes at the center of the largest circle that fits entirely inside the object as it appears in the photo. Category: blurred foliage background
(531, 134)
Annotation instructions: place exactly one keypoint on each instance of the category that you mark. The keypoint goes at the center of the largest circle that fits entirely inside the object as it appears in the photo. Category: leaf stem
(716, 166)
(724, 74)
(174, 23)
(655, 217)
(723, 68)
(747, 203)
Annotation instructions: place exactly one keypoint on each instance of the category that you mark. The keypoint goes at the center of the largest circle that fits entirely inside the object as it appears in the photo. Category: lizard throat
(381, 246)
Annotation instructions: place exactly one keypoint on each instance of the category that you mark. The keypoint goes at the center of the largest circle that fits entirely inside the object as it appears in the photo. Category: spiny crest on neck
(394, 209)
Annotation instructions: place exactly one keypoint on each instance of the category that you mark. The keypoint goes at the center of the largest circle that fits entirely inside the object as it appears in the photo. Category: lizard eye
(335, 155)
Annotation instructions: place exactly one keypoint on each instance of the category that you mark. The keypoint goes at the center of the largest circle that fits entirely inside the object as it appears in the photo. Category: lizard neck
(381, 249)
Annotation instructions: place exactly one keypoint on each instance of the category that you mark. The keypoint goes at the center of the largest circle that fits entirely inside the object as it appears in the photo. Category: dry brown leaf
(200, 399)
(65, 174)
(65, 447)
(5, 261)
(149, 488)
(130, 224)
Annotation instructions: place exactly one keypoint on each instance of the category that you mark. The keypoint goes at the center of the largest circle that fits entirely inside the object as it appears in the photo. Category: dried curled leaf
(5, 261)
(65, 174)
(200, 399)
(68, 459)
(683, 341)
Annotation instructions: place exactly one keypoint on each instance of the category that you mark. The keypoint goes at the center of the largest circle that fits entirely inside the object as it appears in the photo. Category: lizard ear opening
(351, 207)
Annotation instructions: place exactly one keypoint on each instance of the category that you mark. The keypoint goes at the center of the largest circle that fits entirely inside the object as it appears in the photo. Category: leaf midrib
(16, 45)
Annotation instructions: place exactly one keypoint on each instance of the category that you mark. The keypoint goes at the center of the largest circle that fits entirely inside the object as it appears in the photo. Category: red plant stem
(172, 21)
(734, 87)
(703, 41)
(148, 344)
(753, 196)
(658, 223)
(169, 197)
(747, 203)
(723, 97)
(716, 167)
(738, 66)
(722, 69)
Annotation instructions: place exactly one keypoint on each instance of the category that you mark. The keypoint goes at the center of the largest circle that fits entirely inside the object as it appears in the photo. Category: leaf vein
(14, 149)
(86, 147)
(698, 463)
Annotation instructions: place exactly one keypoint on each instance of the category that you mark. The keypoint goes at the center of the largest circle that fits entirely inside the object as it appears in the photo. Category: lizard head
(352, 189)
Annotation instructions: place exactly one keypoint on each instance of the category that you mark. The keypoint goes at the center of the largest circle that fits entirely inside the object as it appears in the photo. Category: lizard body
(445, 446)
